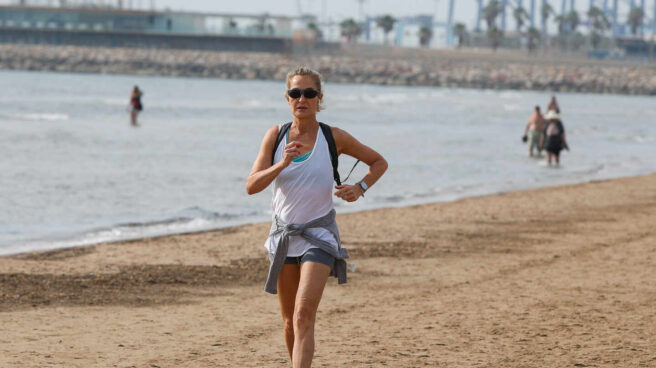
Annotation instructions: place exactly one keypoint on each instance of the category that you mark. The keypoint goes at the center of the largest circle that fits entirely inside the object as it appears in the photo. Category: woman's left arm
(347, 144)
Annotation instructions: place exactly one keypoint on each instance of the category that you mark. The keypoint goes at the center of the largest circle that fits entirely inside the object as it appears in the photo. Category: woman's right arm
(263, 173)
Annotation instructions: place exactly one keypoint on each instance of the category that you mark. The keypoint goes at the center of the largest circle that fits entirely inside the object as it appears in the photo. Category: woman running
(304, 245)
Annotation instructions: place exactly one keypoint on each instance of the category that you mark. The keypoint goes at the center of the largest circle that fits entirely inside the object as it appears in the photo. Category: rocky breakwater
(448, 69)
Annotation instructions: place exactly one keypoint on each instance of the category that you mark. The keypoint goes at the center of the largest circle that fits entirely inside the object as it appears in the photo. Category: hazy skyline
(464, 11)
(336, 10)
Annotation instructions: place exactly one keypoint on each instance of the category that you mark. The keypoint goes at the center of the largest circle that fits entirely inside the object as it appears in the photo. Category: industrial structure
(611, 8)
(615, 10)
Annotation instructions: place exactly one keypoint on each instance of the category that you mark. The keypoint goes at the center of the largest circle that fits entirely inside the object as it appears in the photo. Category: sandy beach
(555, 277)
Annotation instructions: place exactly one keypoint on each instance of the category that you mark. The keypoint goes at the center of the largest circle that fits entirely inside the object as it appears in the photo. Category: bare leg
(133, 117)
(287, 287)
(549, 158)
(310, 289)
(557, 157)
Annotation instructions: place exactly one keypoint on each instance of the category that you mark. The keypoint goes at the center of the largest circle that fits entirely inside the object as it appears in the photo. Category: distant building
(114, 27)
(636, 47)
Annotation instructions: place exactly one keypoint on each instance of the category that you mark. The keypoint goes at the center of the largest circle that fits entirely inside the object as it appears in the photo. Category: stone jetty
(452, 68)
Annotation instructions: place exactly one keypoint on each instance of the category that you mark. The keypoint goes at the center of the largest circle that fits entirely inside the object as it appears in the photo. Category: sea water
(73, 171)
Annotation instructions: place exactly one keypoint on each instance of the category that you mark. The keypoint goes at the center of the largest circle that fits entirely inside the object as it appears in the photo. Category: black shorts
(554, 145)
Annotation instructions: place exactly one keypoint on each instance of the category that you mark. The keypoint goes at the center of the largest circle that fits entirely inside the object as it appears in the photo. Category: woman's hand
(349, 193)
(291, 150)
(263, 172)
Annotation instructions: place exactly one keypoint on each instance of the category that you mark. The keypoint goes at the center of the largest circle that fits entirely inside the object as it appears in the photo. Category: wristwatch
(363, 185)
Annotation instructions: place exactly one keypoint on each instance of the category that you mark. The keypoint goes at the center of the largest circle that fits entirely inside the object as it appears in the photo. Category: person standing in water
(553, 105)
(533, 132)
(304, 245)
(135, 103)
(554, 139)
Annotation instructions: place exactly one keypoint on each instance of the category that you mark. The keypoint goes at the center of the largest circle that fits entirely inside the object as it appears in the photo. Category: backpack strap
(281, 135)
(332, 147)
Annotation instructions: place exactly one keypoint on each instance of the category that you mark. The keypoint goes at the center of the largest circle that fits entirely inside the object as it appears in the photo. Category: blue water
(73, 171)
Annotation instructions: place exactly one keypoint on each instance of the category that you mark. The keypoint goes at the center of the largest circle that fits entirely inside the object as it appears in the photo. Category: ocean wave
(376, 99)
(115, 101)
(190, 217)
(188, 220)
(588, 170)
(638, 138)
(513, 107)
(237, 105)
(643, 139)
(510, 95)
(35, 116)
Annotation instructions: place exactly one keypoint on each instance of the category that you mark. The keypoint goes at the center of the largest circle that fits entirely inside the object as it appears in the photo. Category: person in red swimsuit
(135, 102)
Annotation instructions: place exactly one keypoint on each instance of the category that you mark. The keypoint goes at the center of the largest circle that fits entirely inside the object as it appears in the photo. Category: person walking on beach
(135, 103)
(304, 245)
(533, 132)
(554, 139)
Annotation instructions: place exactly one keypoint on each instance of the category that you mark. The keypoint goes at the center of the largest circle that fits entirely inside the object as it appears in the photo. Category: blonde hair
(316, 77)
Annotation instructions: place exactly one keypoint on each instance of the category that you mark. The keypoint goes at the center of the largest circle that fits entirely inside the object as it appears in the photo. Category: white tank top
(302, 192)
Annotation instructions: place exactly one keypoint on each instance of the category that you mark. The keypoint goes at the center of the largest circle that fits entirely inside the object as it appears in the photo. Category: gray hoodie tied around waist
(327, 222)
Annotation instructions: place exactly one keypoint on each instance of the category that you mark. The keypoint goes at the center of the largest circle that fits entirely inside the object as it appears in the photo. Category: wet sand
(555, 277)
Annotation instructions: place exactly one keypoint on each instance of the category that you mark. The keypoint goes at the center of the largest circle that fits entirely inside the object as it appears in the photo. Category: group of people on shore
(546, 132)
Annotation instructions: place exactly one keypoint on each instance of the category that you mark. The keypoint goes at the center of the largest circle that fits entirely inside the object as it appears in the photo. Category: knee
(288, 324)
(304, 316)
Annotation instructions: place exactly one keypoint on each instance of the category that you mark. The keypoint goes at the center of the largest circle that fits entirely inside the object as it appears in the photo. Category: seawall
(445, 69)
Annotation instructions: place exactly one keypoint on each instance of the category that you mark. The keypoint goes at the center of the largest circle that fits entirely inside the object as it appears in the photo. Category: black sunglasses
(307, 93)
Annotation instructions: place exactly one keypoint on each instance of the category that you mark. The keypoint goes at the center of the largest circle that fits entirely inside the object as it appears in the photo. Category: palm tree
(460, 30)
(545, 12)
(533, 37)
(599, 24)
(315, 28)
(577, 40)
(386, 23)
(573, 20)
(425, 36)
(598, 19)
(561, 39)
(495, 35)
(521, 15)
(350, 29)
(636, 17)
(562, 22)
(595, 39)
(491, 12)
